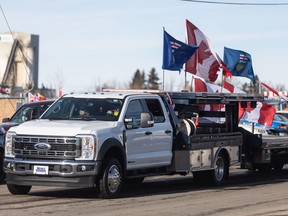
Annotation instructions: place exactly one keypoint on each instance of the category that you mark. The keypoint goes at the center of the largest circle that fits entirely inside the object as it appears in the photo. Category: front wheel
(18, 189)
(111, 181)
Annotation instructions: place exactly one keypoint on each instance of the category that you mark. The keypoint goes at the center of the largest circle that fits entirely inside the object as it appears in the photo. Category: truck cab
(130, 130)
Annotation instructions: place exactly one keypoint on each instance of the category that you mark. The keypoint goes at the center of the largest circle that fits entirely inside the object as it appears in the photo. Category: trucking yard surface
(245, 193)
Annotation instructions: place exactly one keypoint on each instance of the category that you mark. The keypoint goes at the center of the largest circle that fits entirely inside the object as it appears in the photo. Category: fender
(225, 152)
(109, 144)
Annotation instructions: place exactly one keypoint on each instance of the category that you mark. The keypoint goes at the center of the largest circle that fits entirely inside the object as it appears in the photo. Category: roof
(114, 94)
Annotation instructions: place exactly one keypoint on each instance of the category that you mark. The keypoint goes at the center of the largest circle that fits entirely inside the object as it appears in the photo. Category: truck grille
(60, 147)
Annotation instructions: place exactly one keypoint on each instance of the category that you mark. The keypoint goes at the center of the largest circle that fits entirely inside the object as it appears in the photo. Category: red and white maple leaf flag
(263, 113)
(275, 91)
(231, 88)
(205, 62)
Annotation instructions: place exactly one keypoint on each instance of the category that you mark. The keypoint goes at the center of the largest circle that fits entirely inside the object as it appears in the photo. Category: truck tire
(214, 177)
(18, 189)
(2, 173)
(111, 180)
(221, 170)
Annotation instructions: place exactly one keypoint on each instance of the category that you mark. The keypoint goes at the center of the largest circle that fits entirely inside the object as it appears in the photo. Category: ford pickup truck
(126, 136)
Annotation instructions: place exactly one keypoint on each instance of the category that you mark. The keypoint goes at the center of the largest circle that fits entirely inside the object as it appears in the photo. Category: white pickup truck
(127, 136)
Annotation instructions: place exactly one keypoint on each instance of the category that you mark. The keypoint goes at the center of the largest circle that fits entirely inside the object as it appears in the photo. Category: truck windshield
(88, 109)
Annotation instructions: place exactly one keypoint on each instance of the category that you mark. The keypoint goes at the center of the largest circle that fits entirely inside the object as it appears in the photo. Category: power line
(238, 3)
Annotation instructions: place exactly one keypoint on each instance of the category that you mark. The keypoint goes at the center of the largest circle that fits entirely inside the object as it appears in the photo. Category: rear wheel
(18, 189)
(214, 177)
(111, 181)
(221, 170)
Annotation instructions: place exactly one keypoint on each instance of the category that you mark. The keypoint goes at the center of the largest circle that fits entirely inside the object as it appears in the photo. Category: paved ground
(245, 193)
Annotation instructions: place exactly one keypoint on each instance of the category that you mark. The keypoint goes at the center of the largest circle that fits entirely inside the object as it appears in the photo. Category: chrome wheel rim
(219, 169)
(114, 179)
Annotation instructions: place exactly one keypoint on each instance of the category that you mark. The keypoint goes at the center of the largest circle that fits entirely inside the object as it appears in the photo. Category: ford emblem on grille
(42, 146)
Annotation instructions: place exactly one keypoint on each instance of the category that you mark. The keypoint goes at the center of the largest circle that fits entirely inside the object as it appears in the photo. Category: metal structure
(19, 53)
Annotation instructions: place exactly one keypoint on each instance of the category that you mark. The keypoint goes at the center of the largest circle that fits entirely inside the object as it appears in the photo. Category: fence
(9, 105)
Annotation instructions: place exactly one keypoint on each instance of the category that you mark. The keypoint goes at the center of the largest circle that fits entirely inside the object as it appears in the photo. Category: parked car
(26, 112)
(281, 117)
(2, 141)
(259, 129)
(279, 126)
(283, 112)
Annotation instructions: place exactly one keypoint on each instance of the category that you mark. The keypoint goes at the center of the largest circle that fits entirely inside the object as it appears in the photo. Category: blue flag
(239, 63)
(175, 53)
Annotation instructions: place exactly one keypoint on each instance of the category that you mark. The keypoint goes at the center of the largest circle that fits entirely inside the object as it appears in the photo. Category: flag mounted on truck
(239, 63)
(205, 63)
(175, 53)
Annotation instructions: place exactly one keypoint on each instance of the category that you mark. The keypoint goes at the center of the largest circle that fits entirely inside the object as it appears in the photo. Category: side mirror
(5, 120)
(146, 120)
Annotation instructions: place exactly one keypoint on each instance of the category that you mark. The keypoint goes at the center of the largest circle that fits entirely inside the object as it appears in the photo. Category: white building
(19, 57)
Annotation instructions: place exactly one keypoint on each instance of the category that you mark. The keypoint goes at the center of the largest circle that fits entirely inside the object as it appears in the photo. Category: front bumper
(59, 173)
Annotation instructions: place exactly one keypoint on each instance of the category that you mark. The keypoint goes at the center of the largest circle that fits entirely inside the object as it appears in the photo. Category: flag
(226, 72)
(228, 86)
(231, 88)
(32, 98)
(262, 114)
(275, 91)
(60, 92)
(175, 53)
(200, 85)
(239, 63)
(205, 63)
(40, 97)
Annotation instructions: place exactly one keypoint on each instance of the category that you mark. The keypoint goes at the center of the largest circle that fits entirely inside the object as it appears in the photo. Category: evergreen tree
(138, 80)
(153, 80)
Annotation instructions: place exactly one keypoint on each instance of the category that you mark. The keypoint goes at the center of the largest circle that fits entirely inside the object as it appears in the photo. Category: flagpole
(163, 80)
(185, 81)
(192, 80)
(222, 79)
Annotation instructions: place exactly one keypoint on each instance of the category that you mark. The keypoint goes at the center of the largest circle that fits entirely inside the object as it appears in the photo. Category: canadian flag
(231, 88)
(32, 97)
(263, 113)
(199, 85)
(275, 91)
(205, 62)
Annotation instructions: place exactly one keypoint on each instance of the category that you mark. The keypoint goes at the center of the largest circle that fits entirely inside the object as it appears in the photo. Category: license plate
(40, 170)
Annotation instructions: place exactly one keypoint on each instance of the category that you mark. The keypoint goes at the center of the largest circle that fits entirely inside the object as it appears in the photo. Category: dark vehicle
(2, 140)
(26, 112)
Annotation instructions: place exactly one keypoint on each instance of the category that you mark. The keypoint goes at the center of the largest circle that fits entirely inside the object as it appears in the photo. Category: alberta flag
(239, 63)
(175, 53)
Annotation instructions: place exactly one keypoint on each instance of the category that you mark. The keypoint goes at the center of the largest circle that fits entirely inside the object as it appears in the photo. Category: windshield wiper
(83, 119)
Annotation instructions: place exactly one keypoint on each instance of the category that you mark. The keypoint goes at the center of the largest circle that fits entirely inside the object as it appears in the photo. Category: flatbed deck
(274, 142)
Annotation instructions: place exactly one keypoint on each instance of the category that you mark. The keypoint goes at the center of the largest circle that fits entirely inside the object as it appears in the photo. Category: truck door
(162, 134)
(138, 140)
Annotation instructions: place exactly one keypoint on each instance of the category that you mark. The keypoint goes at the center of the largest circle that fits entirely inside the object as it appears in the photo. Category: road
(245, 193)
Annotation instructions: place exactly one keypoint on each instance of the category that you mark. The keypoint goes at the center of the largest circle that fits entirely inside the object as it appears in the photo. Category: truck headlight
(88, 147)
(9, 144)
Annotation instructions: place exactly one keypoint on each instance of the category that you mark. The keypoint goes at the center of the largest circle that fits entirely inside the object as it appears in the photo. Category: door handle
(148, 133)
(168, 131)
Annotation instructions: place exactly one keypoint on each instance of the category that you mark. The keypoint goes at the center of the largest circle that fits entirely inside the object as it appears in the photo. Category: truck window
(155, 108)
(133, 112)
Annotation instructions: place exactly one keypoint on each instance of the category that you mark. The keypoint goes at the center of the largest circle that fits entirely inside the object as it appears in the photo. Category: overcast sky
(86, 43)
